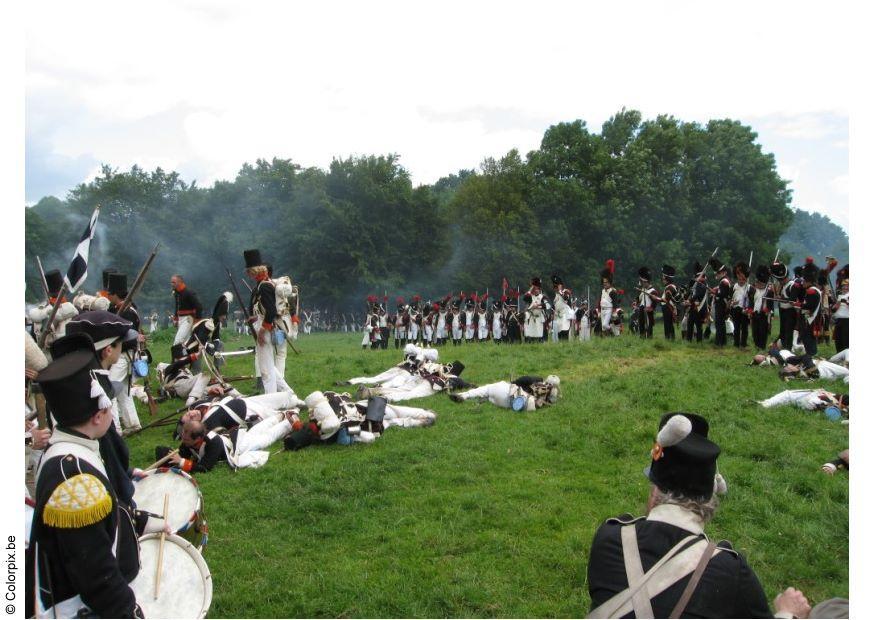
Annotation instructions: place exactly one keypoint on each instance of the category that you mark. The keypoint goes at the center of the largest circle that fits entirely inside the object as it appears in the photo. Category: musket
(246, 284)
(138, 283)
(651, 295)
(242, 305)
(776, 255)
(750, 260)
(45, 333)
(42, 275)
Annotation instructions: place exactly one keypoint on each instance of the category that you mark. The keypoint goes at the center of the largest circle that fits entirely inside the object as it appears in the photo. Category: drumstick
(162, 460)
(161, 547)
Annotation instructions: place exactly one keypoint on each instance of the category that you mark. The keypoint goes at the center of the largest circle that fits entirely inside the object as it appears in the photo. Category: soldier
(535, 314)
(457, 322)
(400, 319)
(263, 315)
(810, 306)
(671, 298)
(83, 550)
(482, 319)
(841, 314)
(647, 297)
(40, 314)
(498, 319)
(697, 304)
(188, 309)
(523, 394)
(121, 373)
(609, 303)
(722, 294)
(738, 305)
(788, 291)
(759, 308)
(683, 473)
(512, 318)
(470, 320)
(561, 302)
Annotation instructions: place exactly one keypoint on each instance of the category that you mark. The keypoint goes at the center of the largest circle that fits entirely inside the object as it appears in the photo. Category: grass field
(491, 512)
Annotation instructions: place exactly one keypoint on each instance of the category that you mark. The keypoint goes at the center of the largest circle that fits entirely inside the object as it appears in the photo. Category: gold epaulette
(77, 502)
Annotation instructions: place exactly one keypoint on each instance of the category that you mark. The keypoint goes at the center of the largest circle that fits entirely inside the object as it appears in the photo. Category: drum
(186, 516)
(186, 588)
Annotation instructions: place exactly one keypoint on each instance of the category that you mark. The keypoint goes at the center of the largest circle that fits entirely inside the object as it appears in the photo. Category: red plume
(385, 298)
(503, 298)
(809, 260)
(621, 291)
(448, 297)
(417, 298)
(609, 265)
(372, 298)
(400, 300)
(436, 306)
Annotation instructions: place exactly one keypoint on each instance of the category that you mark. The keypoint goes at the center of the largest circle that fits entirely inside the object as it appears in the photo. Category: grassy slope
(490, 512)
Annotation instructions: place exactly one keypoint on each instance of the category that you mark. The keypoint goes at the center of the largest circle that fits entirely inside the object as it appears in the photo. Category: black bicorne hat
(54, 281)
(556, 280)
(73, 385)
(644, 273)
(607, 275)
(684, 460)
(252, 258)
(117, 284)
(668, 272)
(103, 327)
(762, 274)
(456, 368)
(809, 272)
(536, 281)
(779, 270)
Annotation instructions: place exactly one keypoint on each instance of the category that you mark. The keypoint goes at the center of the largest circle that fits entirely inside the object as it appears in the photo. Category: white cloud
(212, 84)
(841, 184)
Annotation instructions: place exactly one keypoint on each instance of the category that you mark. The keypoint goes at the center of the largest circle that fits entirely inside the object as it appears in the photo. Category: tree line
(643, 192)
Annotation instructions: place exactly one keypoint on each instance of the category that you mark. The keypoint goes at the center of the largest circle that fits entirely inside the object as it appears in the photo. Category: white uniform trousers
(407, 417)
(269, 430)
(183, 329)
(804, 399)
(606, 318)
(496, 393)
(266, 405)
(583, 329)
(124, 412)
(380, 378)
(416, 389)
(841, 356)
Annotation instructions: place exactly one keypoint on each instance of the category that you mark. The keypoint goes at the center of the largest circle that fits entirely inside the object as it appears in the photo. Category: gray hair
(704, 508)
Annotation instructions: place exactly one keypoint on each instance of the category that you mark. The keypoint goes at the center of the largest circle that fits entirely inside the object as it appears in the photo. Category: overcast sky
(202, 87)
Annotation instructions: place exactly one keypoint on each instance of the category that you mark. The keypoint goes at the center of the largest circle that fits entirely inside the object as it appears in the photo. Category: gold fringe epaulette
(78, 502)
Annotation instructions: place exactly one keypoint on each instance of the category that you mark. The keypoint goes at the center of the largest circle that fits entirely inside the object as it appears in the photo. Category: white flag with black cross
(78, 269)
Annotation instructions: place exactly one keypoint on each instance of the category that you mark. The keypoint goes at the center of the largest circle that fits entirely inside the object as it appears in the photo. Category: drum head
(186, 500)
(186, 588)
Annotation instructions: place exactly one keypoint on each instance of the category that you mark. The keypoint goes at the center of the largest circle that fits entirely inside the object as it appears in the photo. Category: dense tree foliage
(642, 192)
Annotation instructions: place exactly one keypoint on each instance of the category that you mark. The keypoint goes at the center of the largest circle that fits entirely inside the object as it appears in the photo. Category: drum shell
(193, 526)
(184, 572)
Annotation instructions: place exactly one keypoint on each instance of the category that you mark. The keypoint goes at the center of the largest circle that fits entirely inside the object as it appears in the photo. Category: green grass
(491, 512)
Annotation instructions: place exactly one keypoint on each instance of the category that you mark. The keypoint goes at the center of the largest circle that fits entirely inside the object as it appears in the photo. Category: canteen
(279, 337)
(833, 413)
(343, 437)
(141, 368)
(519, 403)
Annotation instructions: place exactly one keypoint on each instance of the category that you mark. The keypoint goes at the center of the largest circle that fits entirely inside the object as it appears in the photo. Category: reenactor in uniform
(788, 291)
(263, 314)
(84, 550)
(609, 303)
(40, 314)
(841, 314)
(535, 312)
(400, 319)
(498, 319)
(670, 543)
(759, 308)
(739, 304)
(697, 304)
(121, 373)
(671, 298)
(187, 309)
(563, 314)
(647, 297)
(722, 294)
(810, 307)
(457, 322)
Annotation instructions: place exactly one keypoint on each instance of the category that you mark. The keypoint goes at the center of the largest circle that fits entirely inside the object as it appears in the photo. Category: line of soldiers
(807, 305)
